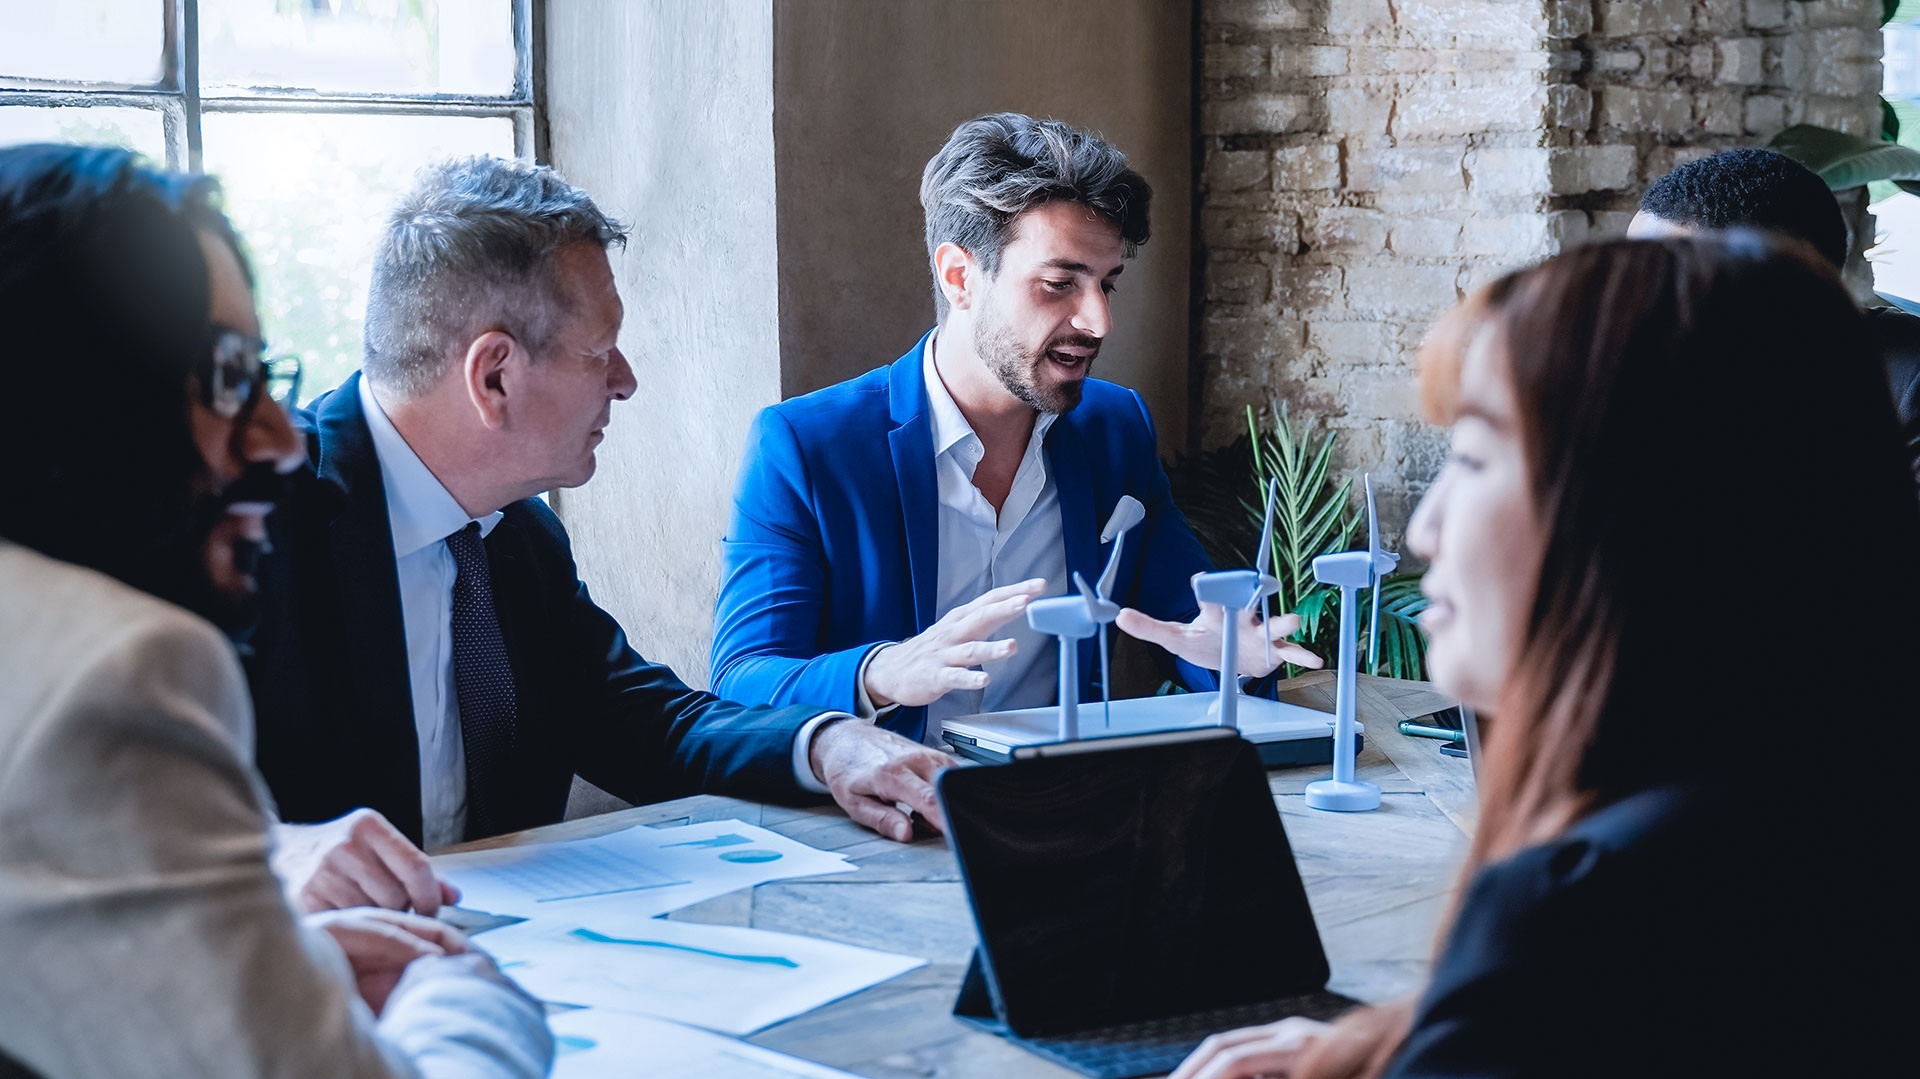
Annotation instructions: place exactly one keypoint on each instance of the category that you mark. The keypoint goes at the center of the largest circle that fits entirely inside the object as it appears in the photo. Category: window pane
(114, 41)
(309, 194)
(359, 46)
(141, 130)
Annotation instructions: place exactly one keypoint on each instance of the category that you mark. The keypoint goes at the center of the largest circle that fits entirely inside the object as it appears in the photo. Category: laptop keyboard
(1157, 1046)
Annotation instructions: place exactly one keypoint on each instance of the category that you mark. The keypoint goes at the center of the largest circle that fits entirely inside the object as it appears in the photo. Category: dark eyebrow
(1071, 266)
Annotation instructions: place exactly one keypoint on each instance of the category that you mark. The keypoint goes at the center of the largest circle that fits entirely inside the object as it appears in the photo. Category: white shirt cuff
(803, 752)
(864, 703)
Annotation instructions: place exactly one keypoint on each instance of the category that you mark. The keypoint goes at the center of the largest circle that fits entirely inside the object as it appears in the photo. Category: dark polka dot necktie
(482, 680)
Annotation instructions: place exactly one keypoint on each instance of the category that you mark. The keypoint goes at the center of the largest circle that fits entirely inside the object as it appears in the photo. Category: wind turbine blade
(1126, 513)
(1108, 574)
(1085, 590)
(1263, 554)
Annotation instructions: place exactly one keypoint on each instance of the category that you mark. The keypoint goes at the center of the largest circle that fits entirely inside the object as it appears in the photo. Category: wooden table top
(1378, 883)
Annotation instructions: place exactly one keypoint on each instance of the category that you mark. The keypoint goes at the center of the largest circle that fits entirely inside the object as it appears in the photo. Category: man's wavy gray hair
(468, 250)
(996, 167)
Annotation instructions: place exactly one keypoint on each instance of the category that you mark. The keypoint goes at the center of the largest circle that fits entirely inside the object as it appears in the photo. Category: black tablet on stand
(1132, 896)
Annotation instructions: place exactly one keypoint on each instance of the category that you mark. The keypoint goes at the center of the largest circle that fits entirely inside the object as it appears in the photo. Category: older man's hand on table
(359, 860)
(873, 772)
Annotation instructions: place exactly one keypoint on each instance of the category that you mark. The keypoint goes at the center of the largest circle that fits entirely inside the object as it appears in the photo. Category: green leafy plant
(1222, 492)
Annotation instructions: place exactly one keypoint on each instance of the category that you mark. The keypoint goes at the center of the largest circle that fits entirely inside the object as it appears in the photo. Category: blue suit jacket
(833, 548)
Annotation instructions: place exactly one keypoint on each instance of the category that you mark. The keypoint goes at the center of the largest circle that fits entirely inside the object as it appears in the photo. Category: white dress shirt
(981, 550)
(421, 515)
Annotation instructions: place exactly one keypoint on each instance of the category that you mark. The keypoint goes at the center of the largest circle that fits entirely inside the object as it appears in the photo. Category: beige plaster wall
(866, 90)
(664, 113)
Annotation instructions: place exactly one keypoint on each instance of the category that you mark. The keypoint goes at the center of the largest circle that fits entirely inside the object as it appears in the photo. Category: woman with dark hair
(142, 930)
(1672, 563)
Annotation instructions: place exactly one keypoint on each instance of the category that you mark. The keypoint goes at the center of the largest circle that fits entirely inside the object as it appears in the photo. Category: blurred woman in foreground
(1673, 564)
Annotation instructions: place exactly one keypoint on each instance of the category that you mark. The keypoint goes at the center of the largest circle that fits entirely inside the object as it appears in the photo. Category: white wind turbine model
(1238, 590)
(1351, 571)
(1073, 618)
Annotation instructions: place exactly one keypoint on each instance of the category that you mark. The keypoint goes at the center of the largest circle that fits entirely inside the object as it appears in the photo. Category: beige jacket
(141, 932)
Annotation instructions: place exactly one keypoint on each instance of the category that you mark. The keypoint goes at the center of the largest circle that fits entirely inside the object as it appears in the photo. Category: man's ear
(957, 275)
(485, 370)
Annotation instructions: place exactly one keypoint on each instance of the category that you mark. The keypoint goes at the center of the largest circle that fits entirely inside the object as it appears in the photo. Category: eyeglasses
(237, 372)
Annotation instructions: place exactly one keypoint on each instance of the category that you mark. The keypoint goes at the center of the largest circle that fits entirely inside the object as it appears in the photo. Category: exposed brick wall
(1367, 161)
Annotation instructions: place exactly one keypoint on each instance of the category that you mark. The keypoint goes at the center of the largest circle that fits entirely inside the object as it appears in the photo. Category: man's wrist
(804, 772)
(870, 704)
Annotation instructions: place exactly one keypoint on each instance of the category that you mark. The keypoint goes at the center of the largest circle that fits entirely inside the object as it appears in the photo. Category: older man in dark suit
(431, 653)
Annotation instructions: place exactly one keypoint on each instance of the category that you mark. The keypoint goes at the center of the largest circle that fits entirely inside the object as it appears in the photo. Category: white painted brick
(1593, 168)
(1720, 112)
(1250, 341)
(1425, 237)
(1405, 169)
(1237, 229)
(1359, 17)
(1610, 223)
(1569, 18)
(1720, 17)
(1255, 114)
(1290, 61)
(1306, 288)
(1504, 170)
(1766, 14)
(1359, 110)
(1256, 14)
(1219, 61)
(1237, 170)
(1742, 61)
(1236, 282)
(1645, 16)
(1765, 114)
(1502, 22)
(1405, 290)
(1569, 107)
(1346, 231)
(1631, 109)
(1565, 228)
(1306, 168)
(1351, 342)
(1621, 61)
(1469, 110)
(1505, 236)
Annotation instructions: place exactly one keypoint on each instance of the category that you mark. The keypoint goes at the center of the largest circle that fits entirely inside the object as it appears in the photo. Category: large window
(1896, 256)
(313, 113)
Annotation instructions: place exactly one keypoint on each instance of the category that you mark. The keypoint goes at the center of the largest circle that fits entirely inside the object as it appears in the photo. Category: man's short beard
(1018, 367)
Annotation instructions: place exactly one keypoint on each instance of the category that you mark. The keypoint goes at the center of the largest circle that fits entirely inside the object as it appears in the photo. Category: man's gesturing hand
(923, 669)
(871, 772)
(1198, 641)
(359, 860)
(380, 943)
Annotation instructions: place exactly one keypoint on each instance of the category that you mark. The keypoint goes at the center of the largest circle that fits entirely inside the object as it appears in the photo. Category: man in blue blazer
(884, 529)
(429, 651)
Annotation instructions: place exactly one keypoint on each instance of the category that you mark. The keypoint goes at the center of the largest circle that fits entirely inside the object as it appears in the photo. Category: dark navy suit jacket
(330, 676)
(1736, 928)
(833, 547)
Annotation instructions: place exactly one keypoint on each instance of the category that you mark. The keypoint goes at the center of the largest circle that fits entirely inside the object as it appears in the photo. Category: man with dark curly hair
(886, 529)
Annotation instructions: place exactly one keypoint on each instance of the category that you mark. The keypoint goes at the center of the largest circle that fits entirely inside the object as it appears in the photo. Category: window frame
(177, 95)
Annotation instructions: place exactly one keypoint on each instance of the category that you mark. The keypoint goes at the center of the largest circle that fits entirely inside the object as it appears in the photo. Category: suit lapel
(1073, 479)
(369, 584)
(911, 443)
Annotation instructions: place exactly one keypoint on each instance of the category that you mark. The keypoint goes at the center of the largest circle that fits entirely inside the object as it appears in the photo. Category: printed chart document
(640, 869)
(725, 978)
(592, 1044)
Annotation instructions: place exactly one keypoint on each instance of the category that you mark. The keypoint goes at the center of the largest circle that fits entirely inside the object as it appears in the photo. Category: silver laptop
(1285, 734)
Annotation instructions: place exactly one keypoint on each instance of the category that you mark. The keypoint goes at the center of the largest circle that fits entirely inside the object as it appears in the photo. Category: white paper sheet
(646, 870)
(594, 1044)
(725, 978)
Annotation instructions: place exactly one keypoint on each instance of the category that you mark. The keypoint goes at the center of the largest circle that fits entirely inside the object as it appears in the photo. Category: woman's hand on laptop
(1271, 1050)
(925, 668)
(1262, 647)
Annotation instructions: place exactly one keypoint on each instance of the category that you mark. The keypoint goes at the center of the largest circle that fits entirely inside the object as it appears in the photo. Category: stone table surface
(1378, 883)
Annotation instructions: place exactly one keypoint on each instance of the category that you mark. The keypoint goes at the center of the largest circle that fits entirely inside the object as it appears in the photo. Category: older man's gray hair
(468, 250)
